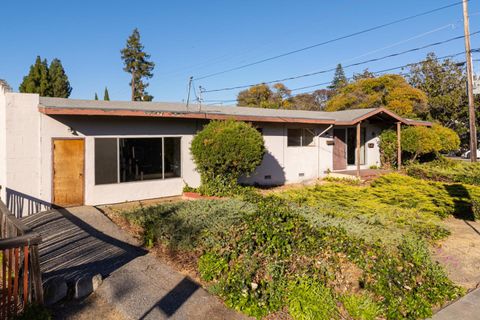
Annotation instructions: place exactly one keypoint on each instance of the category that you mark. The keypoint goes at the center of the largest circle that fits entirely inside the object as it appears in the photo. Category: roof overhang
(384, 112)
(183, 115)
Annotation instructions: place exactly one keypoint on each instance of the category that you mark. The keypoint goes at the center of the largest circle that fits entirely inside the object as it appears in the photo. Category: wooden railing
(21, 279)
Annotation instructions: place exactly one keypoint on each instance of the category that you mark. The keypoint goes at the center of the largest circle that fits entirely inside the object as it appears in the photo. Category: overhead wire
(344, 67)
(381, 26)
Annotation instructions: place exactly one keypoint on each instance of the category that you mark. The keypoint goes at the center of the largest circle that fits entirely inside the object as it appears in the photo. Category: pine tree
(37, 80)
(96, 96)
(339, 79)
(59, 81)
(137, 63)
(106, 96)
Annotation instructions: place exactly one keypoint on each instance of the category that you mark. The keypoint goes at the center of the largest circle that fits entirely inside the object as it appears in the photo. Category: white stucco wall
(3, 143)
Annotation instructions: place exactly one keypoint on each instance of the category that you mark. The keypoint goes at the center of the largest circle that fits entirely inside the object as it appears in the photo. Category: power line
(344, 67)
(330, 41)
(373, 72)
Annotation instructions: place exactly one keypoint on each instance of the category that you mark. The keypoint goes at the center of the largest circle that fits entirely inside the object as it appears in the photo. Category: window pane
(140, 159)
(308, 136)
(294, 137)
(106, 164)
(172, 157)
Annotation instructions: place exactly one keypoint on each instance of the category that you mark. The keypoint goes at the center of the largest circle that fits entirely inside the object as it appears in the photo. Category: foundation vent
(301, 174)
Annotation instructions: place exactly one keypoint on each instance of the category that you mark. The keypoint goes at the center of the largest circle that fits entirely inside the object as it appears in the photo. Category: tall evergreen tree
(106, 96)
(96, 96)
(59, 81)
(339, 79)
(137, 63)
(37, 80)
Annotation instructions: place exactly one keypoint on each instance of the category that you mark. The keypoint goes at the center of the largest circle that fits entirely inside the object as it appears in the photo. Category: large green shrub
(388, 148)
(417, 141)
(223, 151)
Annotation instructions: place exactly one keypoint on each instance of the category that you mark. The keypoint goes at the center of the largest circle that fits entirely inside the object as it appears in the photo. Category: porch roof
(61, 106)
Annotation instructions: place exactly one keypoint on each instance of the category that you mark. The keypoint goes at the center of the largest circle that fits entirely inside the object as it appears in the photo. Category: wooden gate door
(68, 172)
(339, 150)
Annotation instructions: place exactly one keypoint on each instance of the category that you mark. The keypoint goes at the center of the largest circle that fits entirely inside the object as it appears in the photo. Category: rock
(86, 284)
(54, 290)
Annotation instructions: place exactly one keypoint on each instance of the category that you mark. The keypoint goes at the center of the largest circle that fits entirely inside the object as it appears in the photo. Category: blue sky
(194, 38)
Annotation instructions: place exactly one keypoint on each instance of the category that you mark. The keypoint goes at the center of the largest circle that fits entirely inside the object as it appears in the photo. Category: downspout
(318, 155)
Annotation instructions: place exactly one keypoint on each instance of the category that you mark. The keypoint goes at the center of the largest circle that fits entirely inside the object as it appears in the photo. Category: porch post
(358, 148)
(399, 146)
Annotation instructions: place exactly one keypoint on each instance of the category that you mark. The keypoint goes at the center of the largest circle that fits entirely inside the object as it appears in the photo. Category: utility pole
(471, 104)
(189, 89)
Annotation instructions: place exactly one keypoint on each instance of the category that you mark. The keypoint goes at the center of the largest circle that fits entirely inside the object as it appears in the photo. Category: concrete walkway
(82, 240)
(467, 308)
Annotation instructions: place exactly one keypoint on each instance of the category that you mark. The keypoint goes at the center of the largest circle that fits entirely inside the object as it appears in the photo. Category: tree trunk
(133, 85)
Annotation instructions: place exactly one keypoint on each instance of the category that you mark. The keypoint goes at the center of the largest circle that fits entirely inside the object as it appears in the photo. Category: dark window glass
(140, 159)
(106, 163)
(307, 137)
(294, 137)
(172, 157)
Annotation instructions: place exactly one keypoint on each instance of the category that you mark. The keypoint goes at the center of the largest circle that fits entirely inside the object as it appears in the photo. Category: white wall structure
(27, 133)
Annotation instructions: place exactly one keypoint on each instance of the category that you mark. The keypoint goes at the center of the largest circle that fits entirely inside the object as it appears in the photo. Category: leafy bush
(210, 266)
(422, 140)
(447, 170)
(223, 151)
(361, 307)
(388, 148)
(309, 299)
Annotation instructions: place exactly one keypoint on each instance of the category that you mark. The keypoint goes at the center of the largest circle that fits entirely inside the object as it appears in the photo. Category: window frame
(302, 138)
(117, 138)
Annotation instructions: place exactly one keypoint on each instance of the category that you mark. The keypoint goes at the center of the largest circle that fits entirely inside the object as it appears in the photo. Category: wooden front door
(339, 150)
(68, 171)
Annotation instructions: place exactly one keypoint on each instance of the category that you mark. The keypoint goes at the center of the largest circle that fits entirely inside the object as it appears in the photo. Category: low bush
(289, 252)
(310, 299)
(34, 312)
(447, 170)
(361, 307)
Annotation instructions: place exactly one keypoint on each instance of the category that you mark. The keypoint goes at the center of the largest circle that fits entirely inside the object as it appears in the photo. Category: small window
(301, 137)
(106, 162)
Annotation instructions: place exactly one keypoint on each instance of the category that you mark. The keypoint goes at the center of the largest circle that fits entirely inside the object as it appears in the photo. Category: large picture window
(136, 159)
(301, 137)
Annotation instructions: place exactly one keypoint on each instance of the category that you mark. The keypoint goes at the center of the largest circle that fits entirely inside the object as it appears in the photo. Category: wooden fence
(21, 279)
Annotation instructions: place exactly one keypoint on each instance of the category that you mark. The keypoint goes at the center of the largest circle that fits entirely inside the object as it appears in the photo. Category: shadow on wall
(21, 204)
(268, 173)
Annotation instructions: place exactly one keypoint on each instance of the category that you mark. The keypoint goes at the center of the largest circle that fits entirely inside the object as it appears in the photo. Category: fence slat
(25, 276)
(15, 280)
(4, 284)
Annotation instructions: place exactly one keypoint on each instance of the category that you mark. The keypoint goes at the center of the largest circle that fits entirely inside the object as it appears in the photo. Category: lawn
(331, 251)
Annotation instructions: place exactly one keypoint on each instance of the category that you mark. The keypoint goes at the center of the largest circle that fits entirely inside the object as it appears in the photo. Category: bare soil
(460, 252)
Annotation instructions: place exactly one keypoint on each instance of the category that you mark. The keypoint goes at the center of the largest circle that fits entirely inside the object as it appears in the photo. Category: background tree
(444, 84)
(38, 79)
(339, 79)
(223, 151)
(389, 91)
(60, 86)
(106, 96)
(262, 96)
(96, 96)
(363, 75)
(137, 63)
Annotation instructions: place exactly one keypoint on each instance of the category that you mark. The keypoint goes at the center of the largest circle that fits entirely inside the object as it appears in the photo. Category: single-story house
(81, 152)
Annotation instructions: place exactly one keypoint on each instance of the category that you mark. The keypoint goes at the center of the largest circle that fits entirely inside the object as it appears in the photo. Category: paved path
(467, 308)
(82, 240)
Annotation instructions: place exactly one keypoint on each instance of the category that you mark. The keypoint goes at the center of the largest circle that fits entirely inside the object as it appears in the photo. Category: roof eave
(181, 115)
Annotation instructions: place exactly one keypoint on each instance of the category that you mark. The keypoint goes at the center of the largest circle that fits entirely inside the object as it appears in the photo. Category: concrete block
(86, 284)
(54, 290)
